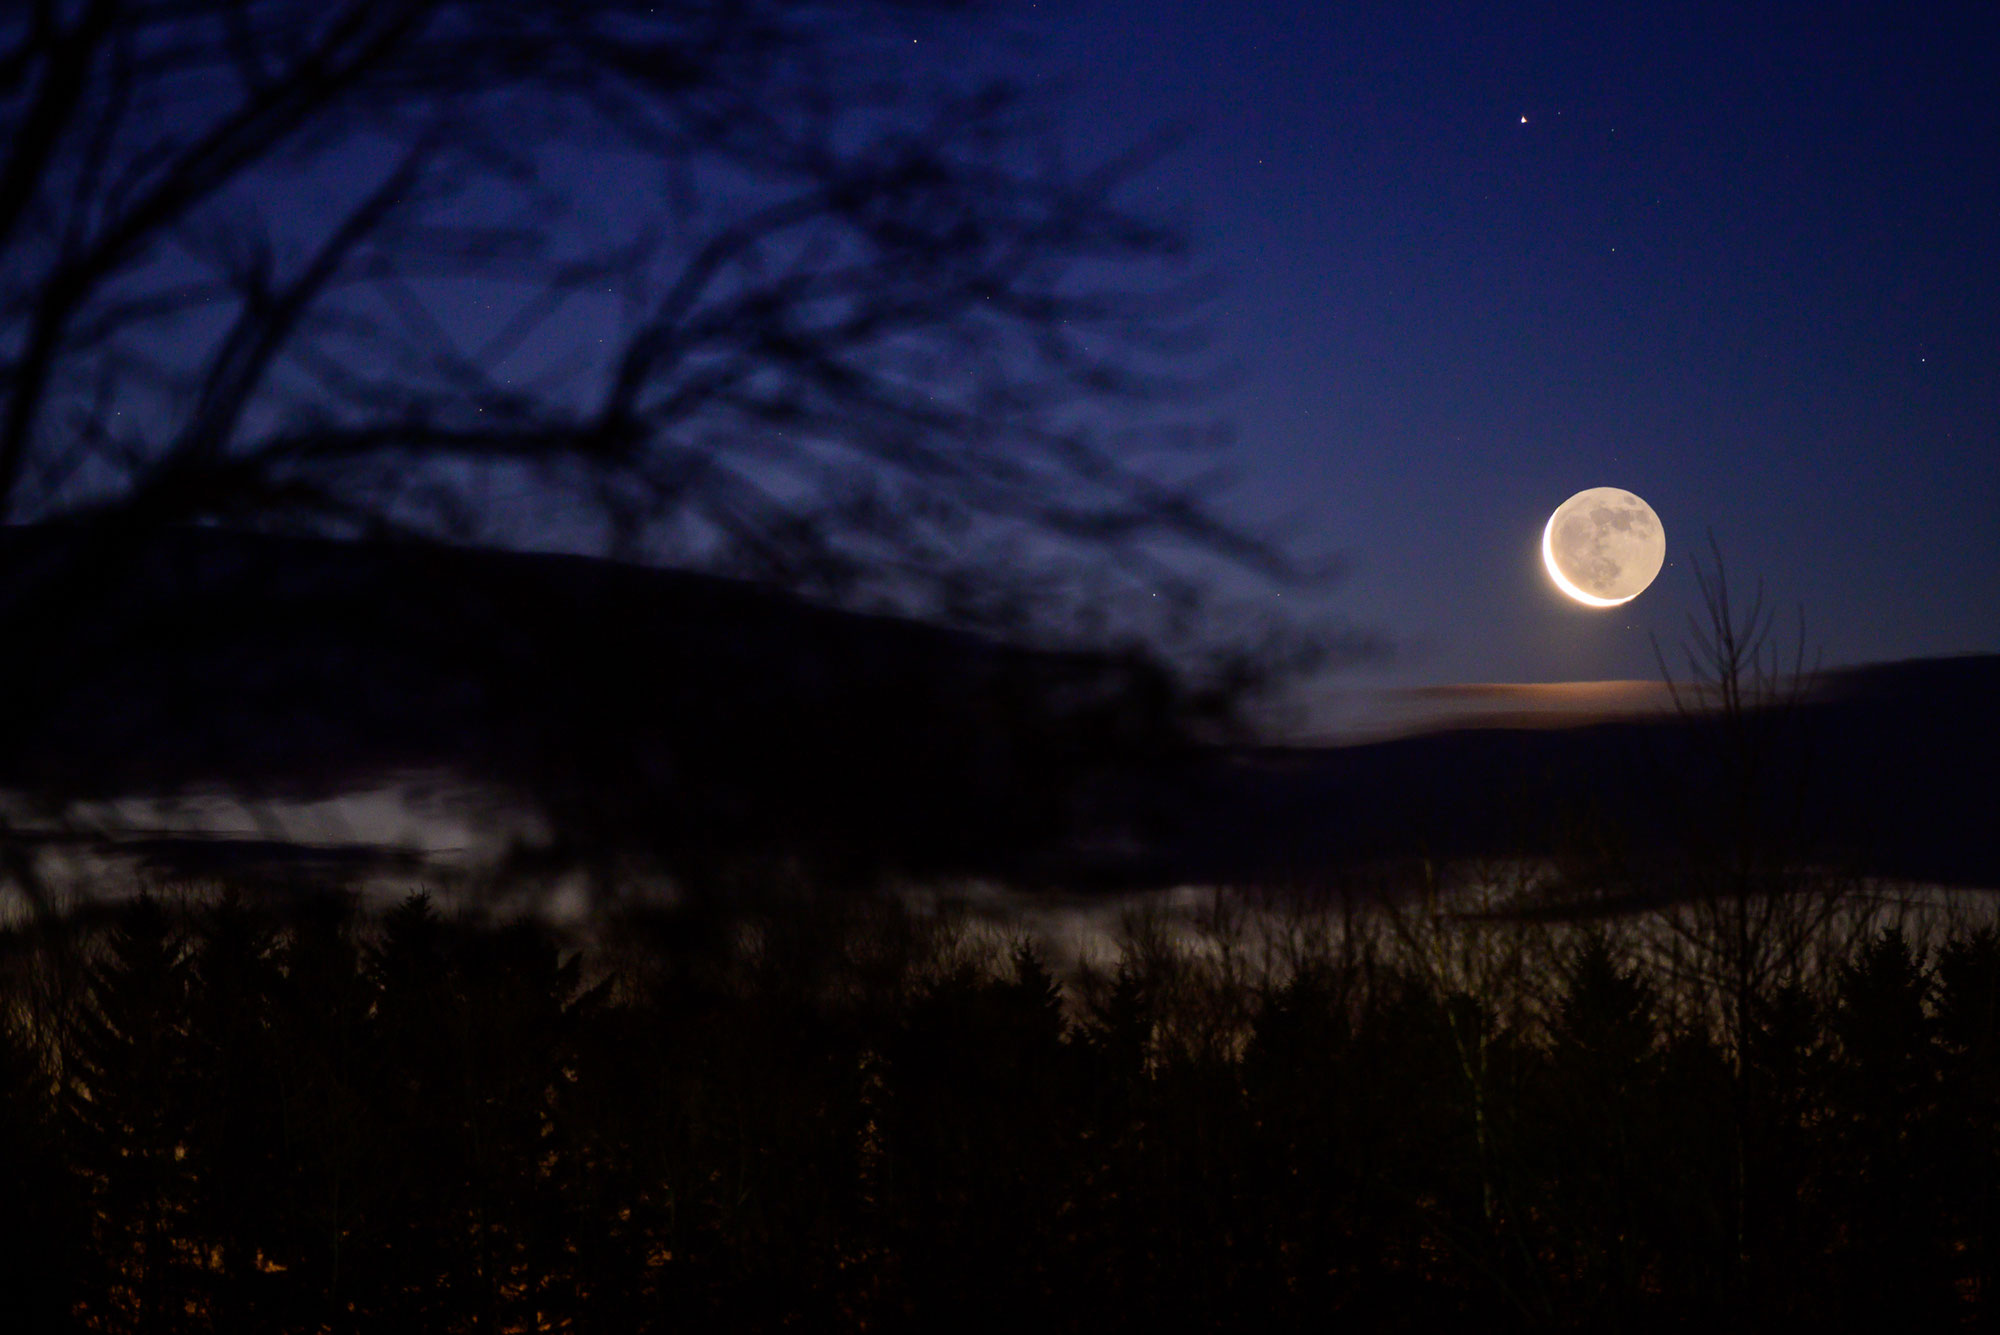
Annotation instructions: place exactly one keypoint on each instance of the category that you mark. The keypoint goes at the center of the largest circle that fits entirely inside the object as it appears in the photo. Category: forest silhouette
(1712, 1073)
(1400, 1113)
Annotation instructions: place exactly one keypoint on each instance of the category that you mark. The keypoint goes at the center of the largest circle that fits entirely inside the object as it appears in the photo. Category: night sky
(1472, 260)
(1477, 258)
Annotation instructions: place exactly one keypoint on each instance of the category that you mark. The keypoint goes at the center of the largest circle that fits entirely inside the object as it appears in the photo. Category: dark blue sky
(1739, 260)
(1473, 259)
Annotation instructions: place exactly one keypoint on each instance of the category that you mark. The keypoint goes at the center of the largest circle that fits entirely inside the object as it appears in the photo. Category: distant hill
(1887, 769)
(694, 719)
(638, 709)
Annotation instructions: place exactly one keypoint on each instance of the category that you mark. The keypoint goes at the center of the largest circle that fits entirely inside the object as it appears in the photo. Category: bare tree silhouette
(722, 287)
(1759, 919)
(742, 292)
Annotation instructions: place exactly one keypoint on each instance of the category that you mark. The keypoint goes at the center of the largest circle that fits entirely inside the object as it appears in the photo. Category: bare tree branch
(842, 277)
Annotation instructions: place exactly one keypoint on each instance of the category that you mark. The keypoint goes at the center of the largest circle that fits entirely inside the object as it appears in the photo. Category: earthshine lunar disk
(1604, 546)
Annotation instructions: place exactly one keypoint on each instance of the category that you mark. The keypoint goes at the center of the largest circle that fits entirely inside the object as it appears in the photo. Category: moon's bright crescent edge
(1556, 574)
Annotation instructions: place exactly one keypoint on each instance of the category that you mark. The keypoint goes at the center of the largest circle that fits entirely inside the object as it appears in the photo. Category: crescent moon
(1609, 548)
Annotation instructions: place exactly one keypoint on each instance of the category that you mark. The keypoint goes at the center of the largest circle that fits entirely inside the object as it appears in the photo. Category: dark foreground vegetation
(219, 1116)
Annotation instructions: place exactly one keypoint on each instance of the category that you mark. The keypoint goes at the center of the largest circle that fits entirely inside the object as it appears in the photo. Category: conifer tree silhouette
(418, 1230)
(1777, 1092)
(516, 1004)
(127, 1100)
(235, 1121)
(42, 1245)
(1968, 1029)
(1890, 1263)
(1119, 1030)
(1298, 1073)
(1602, 1102)
(320, 1051)
(980, 1129)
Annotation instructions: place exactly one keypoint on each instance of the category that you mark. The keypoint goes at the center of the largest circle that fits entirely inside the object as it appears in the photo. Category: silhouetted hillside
(689, 716)
(1886, 769)
(637, 708)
